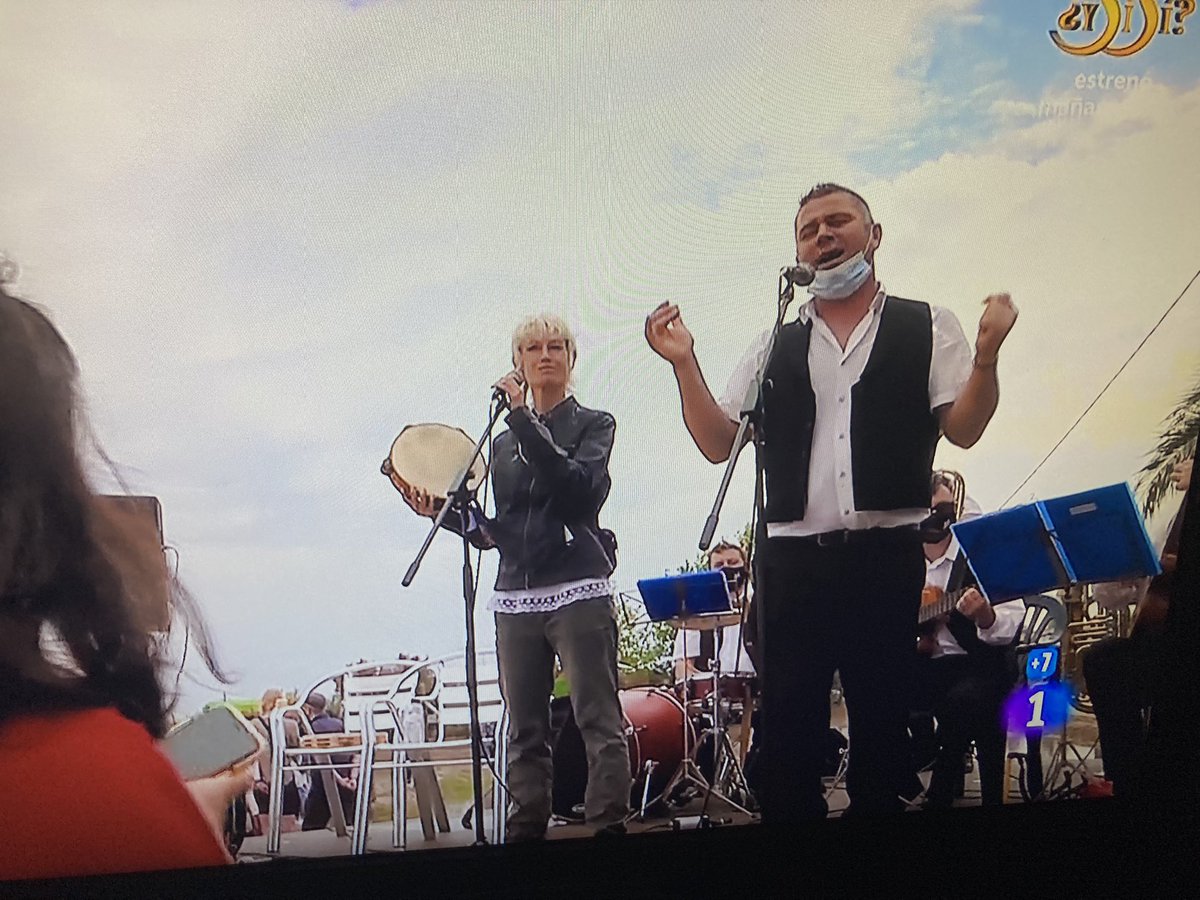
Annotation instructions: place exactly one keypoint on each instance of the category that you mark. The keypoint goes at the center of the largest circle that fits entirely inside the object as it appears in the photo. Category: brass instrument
(1087, 624)
(958, 487)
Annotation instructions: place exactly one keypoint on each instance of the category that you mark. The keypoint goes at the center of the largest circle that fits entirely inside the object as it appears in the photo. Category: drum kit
(679, 744)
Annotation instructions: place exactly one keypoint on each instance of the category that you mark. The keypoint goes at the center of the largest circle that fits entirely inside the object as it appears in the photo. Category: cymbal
(706, 622)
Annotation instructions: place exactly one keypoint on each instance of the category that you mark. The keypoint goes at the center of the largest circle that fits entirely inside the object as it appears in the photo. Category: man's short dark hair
(824, 190)
(726, 545)
(316, 701)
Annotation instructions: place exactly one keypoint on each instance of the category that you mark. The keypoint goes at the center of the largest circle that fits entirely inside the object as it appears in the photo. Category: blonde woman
(553, 594)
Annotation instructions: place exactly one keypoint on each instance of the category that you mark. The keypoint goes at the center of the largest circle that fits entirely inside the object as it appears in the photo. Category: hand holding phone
(215, 741)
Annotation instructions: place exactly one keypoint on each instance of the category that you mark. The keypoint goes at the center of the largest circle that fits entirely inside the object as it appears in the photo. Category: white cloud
(275, 238)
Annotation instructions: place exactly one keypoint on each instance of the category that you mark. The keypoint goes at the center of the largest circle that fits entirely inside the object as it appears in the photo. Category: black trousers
(966, 695)
(852, 608)
(316, 810)
(1120, 674)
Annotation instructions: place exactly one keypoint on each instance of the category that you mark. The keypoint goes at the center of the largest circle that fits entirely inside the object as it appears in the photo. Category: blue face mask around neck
(843, 279)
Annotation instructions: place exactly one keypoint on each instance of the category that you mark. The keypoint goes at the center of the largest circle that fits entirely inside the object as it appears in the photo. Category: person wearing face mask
(967, 664)
(732, 645)
(694, 649)
(858, 392)
(553, 593)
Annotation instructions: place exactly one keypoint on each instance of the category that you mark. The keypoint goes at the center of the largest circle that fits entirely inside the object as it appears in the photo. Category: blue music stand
(1085, 538)
(684, 596)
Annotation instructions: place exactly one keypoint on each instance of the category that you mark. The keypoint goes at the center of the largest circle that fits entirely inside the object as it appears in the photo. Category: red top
(89, 793)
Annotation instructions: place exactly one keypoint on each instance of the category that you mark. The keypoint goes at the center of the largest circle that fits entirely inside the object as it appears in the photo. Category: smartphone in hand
(212, 742)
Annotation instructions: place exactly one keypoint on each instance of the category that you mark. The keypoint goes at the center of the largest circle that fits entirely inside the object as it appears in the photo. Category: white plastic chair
(430, 717)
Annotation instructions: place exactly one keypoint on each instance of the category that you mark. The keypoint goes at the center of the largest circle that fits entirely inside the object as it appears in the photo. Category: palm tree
(1176, 443)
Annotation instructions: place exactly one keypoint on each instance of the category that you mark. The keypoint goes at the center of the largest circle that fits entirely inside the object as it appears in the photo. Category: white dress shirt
(834, 372)
(1009, 614)
(732, 654)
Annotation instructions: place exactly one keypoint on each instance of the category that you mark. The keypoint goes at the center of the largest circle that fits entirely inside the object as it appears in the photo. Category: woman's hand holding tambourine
(420, 501)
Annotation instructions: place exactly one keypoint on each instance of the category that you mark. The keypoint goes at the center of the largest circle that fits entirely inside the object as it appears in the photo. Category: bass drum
(654, 723)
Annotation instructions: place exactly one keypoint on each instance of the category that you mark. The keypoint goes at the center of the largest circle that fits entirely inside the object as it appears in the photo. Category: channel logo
(1119, 27)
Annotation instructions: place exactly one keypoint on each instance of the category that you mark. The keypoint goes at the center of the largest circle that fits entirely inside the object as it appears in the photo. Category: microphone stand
(458, 498)
(751, 414)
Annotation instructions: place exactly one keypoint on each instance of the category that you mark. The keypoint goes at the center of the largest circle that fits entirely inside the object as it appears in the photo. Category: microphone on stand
(801, 274)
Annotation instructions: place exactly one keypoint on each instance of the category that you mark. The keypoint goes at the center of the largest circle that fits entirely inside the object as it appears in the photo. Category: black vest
(893, 433)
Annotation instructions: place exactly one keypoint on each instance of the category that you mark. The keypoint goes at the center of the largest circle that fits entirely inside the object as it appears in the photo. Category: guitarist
(967, 667)
(1121, 673)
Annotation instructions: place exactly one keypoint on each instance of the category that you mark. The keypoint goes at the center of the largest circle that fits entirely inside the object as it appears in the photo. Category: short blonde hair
(543, 325)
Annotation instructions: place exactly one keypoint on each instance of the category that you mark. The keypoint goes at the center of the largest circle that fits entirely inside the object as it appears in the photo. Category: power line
(1117, 375)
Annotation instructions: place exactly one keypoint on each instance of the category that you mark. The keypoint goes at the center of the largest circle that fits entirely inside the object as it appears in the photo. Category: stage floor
(1081, 732)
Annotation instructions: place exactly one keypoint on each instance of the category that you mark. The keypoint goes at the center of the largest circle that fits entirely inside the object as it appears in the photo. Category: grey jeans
(584, 635)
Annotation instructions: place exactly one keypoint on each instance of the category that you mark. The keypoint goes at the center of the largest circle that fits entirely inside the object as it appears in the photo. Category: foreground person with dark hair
(85, 788)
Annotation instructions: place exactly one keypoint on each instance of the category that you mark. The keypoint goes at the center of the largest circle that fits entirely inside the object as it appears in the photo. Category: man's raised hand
(667, 335)
(999, 315)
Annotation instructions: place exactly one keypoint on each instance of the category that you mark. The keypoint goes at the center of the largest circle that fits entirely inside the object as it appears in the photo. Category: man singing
(859, 390)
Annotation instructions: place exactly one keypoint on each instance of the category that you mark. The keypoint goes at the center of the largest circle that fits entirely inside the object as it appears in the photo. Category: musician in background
(733, 645)
(967, 664)
(694, 649)
(1123, 673)
(553, 594)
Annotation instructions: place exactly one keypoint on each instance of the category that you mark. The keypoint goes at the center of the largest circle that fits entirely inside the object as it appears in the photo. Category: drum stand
(689, 772)
(727, 768)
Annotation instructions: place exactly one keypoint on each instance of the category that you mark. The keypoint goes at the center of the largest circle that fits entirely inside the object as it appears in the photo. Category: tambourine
(430, 458)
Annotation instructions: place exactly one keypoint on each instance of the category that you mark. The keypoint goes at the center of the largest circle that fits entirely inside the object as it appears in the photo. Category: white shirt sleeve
(687, 644)
(952, 359)
(1009, 616)
(743, 376)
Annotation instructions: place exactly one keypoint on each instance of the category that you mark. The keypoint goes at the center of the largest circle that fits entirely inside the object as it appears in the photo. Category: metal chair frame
(295, 759)
(400, 751)
(1044, 625)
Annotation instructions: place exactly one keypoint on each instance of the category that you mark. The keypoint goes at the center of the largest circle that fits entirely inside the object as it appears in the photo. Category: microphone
(500, 393)
(801, 274)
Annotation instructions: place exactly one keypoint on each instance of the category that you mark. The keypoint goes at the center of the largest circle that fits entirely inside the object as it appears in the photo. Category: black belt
(848, 538)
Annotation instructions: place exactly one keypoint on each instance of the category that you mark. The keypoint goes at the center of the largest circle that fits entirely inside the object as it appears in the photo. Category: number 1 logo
(1037, 700)
(1037, 707)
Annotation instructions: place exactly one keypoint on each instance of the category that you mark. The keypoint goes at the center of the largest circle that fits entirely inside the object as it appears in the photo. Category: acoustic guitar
(936, 605)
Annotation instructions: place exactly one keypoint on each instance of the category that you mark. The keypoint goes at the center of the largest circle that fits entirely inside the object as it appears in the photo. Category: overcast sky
(276, 233)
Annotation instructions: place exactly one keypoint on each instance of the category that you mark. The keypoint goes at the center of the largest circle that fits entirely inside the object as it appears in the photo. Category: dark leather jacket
(550, 478)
